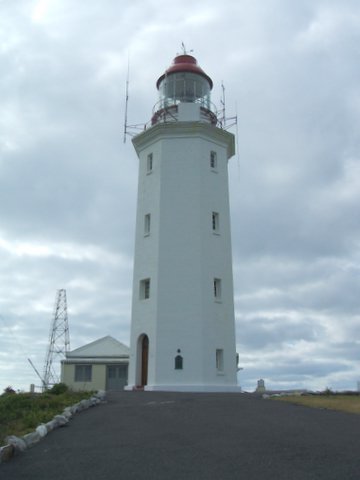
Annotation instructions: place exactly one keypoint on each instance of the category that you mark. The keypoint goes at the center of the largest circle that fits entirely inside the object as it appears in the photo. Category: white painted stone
(51, 425)
(31, 438)
(74, 408)
(84, 404)
(60, 420)
(67, 413)
(41, 430)
(18, 443)
(101, 394)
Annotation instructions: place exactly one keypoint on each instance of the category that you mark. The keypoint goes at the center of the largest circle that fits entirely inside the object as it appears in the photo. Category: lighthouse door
(144, 359)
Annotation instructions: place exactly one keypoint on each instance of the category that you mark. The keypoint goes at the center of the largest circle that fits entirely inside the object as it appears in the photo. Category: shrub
(58, 389)
(9, 391)
(327, 392)
(350, 393)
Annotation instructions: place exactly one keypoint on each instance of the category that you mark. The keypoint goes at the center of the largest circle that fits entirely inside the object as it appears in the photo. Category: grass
(343, 403)
(21, 413)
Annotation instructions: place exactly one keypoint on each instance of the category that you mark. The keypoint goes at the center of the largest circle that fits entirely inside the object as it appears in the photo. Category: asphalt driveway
(148, 435)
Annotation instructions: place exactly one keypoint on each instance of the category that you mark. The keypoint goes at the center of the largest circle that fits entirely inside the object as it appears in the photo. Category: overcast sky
(68, 184)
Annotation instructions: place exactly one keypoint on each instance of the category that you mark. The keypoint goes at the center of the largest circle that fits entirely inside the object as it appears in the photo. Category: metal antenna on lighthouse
(223, 119)
(59, 339)
(222, 101)
(126, 100)
(184, 51)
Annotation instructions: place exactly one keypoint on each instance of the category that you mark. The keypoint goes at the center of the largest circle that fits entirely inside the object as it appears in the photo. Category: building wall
(98, 379)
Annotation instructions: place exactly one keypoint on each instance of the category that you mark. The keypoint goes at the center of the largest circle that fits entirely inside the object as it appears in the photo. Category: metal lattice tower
(59, 340)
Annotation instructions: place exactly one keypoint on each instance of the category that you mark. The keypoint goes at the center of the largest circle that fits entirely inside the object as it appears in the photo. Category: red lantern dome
(185, 64)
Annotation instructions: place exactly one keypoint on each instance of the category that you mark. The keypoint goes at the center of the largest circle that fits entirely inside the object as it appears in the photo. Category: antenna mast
(222, 101)
(126, 100)
(184, 51)
(37, 373)
(59, 339)
(224, 120)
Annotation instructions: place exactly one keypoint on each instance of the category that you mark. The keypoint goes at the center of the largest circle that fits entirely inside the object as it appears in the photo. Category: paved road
(173, 436)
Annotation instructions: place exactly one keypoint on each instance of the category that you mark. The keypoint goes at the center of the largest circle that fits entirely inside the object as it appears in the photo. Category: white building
(99, 365)
(182, 331)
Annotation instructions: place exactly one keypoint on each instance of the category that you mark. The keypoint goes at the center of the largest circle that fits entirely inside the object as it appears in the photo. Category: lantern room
(184, 82)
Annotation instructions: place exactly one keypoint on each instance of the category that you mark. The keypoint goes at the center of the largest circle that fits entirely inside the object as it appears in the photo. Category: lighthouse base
(188, 388)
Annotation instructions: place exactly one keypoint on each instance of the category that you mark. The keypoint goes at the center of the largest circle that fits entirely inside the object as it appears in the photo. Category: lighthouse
(182, 325)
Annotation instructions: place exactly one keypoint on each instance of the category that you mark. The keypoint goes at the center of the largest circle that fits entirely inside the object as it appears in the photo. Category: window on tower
(219, 359)
(217, 289)
(145, 289)
(213, 160)
(215, 222)
(149, 163)
(147, 224)
(178, 362)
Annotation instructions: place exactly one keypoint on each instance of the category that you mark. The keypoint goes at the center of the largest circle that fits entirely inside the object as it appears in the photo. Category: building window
(147, 220)
(213, 160)
(215, 222)
(149, 163)
(178, 362)
(219, 360)
(145, 289)
(217, 288)
(83, 373)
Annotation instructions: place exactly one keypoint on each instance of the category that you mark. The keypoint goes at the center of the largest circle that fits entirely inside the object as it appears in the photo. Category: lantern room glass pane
(184, 87)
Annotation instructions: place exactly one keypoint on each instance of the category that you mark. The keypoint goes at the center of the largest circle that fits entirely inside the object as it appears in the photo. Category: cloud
(68, 183)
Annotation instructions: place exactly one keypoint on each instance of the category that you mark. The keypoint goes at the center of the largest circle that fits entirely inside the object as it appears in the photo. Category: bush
(58, 389)
(327, 392)
(9, 391)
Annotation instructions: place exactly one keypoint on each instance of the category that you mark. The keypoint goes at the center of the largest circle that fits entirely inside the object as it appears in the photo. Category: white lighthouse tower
(182, 330)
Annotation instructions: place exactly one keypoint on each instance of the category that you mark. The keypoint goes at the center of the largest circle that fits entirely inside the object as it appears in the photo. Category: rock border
(265, 396)
(20, 444)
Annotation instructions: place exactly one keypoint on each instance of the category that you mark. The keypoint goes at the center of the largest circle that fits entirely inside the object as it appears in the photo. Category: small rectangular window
(147, 224)
(219, 359)
(178, 362)
(145, 289)
(215, 222)
(213, 160)
(149, 163)
(83, 373)
(217, 288)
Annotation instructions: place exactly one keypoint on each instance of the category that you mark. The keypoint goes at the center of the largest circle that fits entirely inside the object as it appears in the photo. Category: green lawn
(21, 413)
